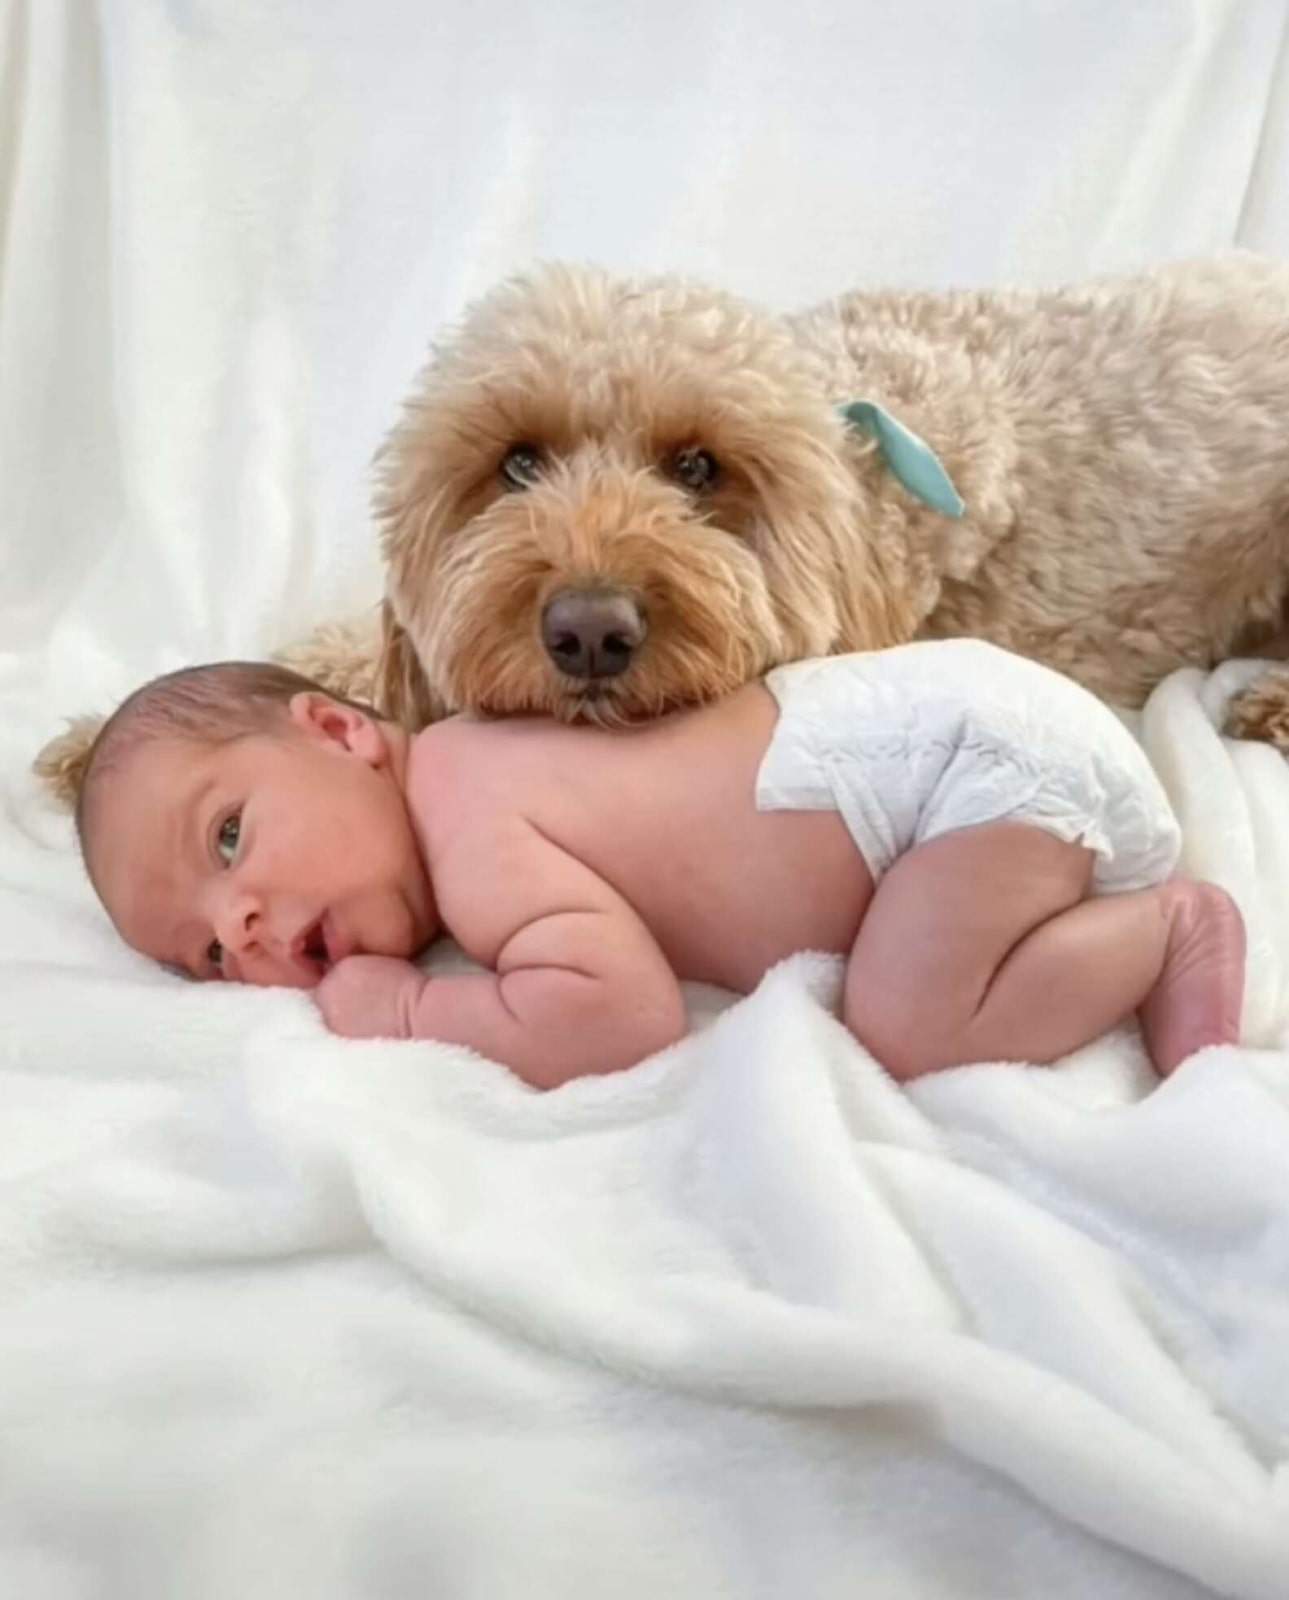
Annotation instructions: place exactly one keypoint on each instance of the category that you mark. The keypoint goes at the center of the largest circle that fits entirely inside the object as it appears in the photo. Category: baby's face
(265, 860)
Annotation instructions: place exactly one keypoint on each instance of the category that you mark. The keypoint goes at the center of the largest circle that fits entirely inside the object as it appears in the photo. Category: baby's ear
(320, 717)
(60, 765)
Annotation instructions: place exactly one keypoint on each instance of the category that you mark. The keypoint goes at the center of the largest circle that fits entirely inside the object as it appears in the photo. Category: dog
(607, 497)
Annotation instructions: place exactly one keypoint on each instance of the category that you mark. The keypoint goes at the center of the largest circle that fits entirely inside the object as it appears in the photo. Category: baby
(980, 837)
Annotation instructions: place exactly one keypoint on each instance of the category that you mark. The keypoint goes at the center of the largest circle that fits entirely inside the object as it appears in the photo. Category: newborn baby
(980, 837)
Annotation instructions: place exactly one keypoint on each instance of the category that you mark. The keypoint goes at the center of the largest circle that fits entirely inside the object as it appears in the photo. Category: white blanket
(282, 1314)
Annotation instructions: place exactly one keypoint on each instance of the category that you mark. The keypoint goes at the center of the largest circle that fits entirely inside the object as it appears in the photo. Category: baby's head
(239, 822)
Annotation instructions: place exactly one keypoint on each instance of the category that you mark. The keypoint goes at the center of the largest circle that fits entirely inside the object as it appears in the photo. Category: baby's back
(664, 813)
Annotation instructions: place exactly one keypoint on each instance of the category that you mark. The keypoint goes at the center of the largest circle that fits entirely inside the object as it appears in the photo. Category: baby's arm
(580, 984)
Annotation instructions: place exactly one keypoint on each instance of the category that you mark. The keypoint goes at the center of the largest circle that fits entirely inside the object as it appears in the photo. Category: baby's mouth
(311, 946)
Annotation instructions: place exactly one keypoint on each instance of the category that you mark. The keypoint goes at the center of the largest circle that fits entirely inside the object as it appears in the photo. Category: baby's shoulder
(456, 777)
(464, 795)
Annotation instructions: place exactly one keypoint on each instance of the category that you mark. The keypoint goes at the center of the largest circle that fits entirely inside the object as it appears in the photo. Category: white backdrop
(230, 227)
(284, 1316)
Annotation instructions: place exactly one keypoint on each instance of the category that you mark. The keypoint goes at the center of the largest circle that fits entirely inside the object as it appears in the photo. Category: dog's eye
(696, 469)
(521, 466)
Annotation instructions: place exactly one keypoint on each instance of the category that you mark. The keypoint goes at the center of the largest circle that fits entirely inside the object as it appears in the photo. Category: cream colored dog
(605, 497)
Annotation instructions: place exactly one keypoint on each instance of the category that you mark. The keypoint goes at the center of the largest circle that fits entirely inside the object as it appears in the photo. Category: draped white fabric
(232, 226)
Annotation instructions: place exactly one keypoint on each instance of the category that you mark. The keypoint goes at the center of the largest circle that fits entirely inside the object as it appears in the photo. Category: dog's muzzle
(592, 633)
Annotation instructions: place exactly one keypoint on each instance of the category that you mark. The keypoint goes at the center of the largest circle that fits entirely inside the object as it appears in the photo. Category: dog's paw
(60, 765)
(1261, 711)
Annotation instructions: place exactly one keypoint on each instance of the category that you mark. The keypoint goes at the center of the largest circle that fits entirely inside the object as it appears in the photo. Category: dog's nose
(592, 633)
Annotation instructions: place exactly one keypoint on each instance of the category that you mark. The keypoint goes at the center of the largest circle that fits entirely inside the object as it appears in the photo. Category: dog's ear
(402, 690)
(876, 605)
(838, 575)
(61, 763)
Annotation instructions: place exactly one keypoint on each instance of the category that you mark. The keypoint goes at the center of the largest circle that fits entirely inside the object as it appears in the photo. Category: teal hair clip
(910, 458)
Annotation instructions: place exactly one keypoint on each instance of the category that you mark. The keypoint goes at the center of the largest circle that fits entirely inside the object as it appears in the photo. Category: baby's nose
(243, 915)
(240, 930)
(240, 926)
(248, 925)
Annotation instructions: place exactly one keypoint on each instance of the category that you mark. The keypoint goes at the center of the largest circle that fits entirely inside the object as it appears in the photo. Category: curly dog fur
(1121, 447)
(1123, 450)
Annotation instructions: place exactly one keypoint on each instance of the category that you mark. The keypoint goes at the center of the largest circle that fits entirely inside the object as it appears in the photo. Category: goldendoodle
(607, 497)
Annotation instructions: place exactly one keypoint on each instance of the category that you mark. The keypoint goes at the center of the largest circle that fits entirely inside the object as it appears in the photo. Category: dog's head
(607, 498)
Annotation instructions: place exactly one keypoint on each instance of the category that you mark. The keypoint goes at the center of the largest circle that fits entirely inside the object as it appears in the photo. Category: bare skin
(591, 871)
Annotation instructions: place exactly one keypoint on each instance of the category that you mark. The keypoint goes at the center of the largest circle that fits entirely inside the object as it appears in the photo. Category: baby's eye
(215, 953)
(226, 839)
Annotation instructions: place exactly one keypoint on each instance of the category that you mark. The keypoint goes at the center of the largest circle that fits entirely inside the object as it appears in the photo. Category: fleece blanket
(287, 1314)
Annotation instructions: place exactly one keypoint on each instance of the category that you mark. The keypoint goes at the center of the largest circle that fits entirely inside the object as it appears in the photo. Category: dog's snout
(592, 633)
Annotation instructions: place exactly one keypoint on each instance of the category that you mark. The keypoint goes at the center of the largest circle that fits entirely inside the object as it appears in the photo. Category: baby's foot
(1198, 997)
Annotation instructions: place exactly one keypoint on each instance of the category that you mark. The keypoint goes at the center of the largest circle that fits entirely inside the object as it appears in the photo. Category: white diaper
(914, 742)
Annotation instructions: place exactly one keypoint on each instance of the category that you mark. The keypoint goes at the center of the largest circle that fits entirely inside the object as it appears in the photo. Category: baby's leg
(982, 945)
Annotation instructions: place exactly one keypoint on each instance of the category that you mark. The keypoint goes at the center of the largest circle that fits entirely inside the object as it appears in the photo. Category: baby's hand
(370, 997)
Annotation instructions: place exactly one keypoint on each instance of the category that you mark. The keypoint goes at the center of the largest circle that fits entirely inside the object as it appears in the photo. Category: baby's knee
(900, 1039)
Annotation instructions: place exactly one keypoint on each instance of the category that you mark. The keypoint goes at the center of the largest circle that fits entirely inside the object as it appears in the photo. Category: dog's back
(1139, 428)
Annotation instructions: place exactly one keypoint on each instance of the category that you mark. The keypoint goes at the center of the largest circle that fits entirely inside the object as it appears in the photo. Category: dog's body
(1122, 450)
(605, 498)
(1124, 453)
